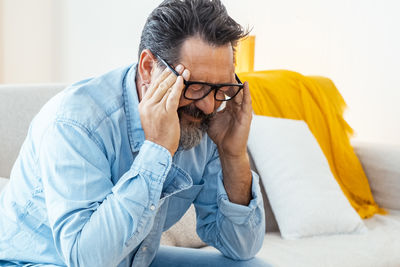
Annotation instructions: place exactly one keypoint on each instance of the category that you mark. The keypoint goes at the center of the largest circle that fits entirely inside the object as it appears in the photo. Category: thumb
(176, 91)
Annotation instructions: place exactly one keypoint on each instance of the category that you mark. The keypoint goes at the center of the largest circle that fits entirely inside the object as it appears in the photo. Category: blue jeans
(183, 257)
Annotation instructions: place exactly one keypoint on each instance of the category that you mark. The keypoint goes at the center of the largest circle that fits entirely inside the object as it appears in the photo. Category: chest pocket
(179, 203)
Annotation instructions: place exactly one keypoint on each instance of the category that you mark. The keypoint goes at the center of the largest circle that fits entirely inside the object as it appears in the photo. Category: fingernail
(179, 68)
(185, 74)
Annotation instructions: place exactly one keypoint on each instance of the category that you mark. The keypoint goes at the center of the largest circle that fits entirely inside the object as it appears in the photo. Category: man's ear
(145, 67)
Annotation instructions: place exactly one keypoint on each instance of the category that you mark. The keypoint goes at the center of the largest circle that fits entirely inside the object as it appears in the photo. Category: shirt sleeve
(93, 221)
(235, 230)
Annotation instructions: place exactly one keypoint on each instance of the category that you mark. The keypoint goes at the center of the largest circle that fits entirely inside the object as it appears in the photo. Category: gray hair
(174, 21)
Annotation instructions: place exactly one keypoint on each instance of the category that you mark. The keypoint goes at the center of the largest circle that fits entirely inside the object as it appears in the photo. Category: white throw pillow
(303, 193)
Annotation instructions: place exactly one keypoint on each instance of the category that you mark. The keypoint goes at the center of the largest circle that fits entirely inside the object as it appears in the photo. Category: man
(111, 162)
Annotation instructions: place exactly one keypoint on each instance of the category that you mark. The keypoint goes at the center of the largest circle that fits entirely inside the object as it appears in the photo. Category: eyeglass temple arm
(167, 65)
(237, 79)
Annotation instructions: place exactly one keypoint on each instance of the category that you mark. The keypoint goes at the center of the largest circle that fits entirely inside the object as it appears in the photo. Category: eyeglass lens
(223, 93)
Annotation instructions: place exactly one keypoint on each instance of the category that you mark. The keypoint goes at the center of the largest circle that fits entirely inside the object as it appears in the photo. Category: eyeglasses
(199, 90)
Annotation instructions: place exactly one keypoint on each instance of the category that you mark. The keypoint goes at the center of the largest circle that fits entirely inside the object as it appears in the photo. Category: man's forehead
(204, 59)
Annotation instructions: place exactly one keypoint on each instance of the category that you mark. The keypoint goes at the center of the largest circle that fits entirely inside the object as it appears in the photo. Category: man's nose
(207, 104)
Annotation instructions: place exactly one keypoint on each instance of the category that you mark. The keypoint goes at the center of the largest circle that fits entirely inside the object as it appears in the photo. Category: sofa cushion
(304, 195)
(183, 233)
(379, 246)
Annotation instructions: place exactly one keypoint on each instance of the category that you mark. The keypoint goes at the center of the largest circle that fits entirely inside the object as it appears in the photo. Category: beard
(193, 132)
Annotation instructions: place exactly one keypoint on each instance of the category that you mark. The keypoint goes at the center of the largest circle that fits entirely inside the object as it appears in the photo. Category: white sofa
(380, 246)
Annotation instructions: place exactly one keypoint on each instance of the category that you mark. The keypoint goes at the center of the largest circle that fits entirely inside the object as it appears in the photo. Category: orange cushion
(316, 100)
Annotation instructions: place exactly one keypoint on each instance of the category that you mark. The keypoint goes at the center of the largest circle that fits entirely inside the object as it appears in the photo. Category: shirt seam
(108, 114)
(82, 127)
(127, 111)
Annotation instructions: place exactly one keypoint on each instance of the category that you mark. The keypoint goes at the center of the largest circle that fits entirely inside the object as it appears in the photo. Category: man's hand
(230, 130)
(158, 109)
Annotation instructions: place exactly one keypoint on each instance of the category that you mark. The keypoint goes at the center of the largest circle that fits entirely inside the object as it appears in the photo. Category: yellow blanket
(316, 100)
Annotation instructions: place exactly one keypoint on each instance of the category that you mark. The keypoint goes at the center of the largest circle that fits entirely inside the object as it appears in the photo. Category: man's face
(206, 64)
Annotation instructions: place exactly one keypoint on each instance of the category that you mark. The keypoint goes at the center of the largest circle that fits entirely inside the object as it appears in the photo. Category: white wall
(355, 43)
(100, 35)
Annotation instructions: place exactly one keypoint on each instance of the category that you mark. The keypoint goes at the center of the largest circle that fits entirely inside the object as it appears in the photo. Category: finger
(154, 85)
(246, 102)
(231, 106)
(171, 99)
(166, 95)
(174, 97)
(235, 104)
(164, 85)
(238, 99)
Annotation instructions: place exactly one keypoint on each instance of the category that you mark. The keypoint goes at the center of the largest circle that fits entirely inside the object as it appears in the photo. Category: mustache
(195, 112)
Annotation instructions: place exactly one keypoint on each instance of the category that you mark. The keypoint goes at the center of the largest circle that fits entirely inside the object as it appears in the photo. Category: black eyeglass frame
(213, 86)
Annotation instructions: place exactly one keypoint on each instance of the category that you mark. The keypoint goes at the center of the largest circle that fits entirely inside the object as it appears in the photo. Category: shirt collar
(131, 101)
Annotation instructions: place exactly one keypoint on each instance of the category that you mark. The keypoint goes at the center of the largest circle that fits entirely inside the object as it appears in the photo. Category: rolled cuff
(237, 213)
(154, 160)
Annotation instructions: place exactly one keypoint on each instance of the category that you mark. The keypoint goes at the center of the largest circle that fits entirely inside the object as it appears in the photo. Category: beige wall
(27, 41)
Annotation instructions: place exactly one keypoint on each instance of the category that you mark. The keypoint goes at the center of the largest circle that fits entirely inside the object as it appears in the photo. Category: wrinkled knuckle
(163, 86)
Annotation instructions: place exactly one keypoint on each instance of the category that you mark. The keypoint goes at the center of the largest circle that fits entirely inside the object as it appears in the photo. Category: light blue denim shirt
(87, 189)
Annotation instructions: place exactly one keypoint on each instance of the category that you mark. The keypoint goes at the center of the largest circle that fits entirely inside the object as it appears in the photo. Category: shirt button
(152, 207)
(144, 248)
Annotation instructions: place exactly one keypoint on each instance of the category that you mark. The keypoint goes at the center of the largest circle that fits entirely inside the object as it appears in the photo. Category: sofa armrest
(381, 163)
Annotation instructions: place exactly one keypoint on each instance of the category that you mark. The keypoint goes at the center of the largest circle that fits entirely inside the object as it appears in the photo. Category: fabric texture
(87, 189)
(184, 257)
(183, 233)
(304, 195)
(3, 183)
(317, 101)
(379, 246)
(381, 163)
